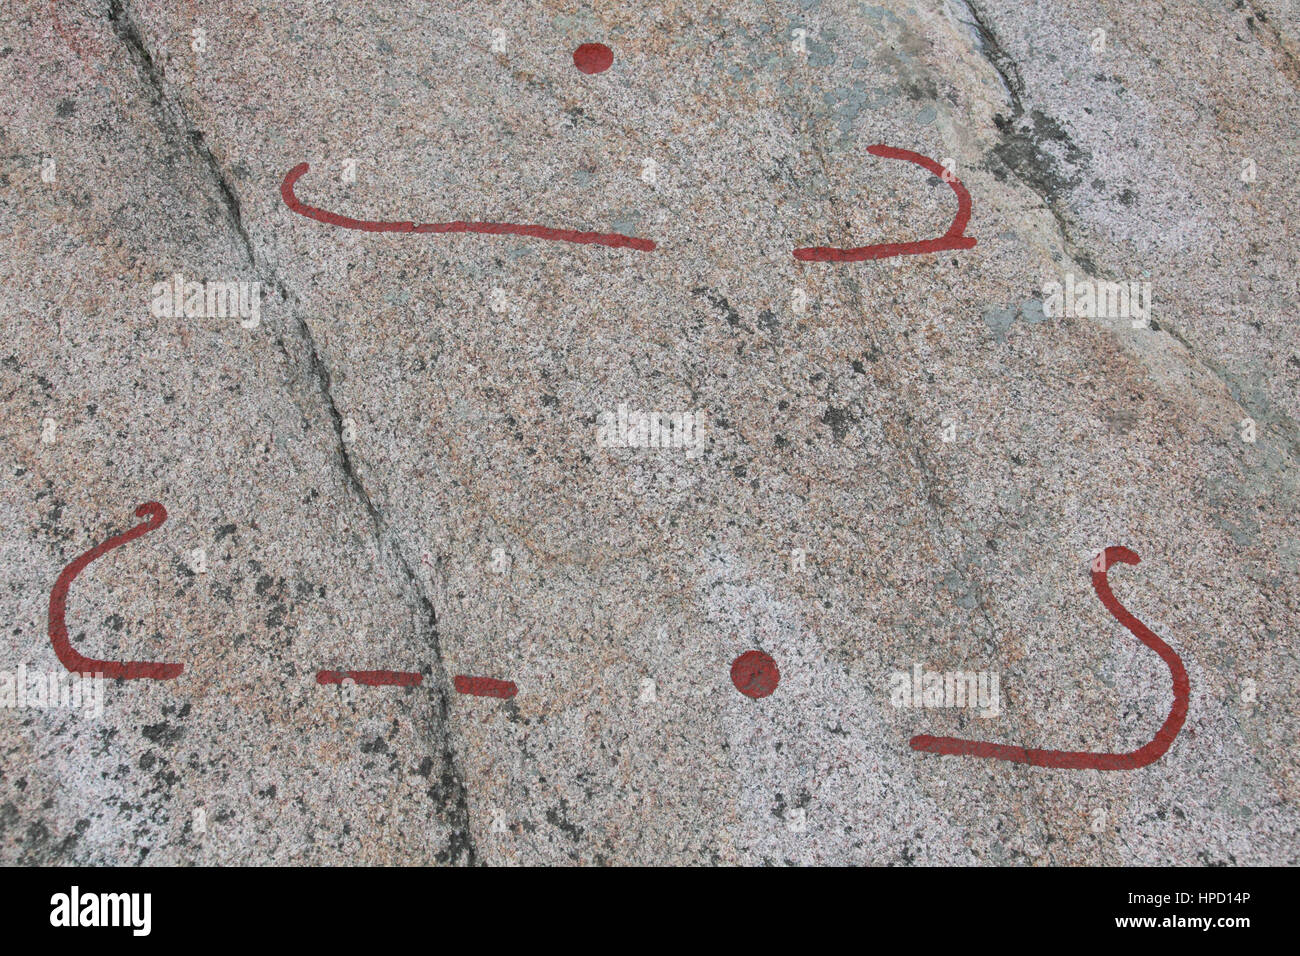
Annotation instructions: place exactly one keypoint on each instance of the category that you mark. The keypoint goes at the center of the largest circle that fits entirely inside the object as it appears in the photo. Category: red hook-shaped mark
(154, 515)
(1082, 759)
(954, 238)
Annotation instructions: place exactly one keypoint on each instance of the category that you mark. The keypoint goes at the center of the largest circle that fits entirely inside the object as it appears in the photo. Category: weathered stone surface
(398, 467)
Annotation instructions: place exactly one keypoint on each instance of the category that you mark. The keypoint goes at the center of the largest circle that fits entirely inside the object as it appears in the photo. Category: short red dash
(485, 686)
(615, 240)
(371, 678)
(755, 674)
(593, 58)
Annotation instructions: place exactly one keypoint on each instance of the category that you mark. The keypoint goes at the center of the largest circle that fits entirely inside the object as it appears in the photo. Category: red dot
(593, 58)
(754, 674)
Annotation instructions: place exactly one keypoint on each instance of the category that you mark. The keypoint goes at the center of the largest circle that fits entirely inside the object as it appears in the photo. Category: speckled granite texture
(398, 462)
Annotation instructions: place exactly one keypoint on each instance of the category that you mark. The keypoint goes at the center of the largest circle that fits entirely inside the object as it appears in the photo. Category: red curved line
(1077, 759)
(615, 240)
(154, 515)
(371, 678)
(954, 238)
(485, 686)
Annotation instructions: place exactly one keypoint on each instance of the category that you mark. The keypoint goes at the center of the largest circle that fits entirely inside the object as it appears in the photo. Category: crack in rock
(178, 130)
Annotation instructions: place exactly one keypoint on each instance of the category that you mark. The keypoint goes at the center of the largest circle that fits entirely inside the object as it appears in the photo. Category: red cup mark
(614, 240)
(1077, 759)
(954, 238)
(593, 58)
(154, 515)
(371, 678)
(755, 674)
(485, 686)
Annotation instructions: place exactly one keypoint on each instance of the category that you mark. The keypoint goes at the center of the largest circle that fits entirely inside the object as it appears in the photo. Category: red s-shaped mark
(954, 238)
(154, 515)
(1082, 759)
(615, 240)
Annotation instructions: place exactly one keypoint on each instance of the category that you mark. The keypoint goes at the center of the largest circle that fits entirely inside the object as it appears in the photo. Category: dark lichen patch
(719, 302)
(800, 802)
(70, 841)
(162, 733)
(838, 420)
(560, 819)
(1037, 150)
